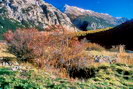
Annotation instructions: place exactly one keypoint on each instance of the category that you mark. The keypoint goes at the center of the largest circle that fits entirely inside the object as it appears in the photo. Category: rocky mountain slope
(34, 12)
(10, 24)
(88, 19)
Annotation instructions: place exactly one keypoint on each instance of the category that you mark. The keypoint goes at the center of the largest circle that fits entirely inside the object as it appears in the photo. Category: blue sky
(117, 8)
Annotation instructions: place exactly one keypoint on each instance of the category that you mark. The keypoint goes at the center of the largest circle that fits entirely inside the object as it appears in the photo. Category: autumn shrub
(19, 42)
(29, 44)
(53, 47)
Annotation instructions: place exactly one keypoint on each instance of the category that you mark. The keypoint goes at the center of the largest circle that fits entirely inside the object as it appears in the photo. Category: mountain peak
(74, 9)
(91, 19)
(81, 11)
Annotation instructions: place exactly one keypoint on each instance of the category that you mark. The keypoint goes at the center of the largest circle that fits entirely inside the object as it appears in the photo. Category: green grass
(115, 76)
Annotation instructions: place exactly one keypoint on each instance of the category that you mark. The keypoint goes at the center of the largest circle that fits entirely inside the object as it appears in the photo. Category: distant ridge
(89, 20)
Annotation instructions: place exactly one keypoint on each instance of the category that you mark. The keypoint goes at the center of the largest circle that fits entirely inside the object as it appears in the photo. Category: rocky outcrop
(37, 12)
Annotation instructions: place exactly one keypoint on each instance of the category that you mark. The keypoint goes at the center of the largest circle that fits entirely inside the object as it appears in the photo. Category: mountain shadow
(120, 35)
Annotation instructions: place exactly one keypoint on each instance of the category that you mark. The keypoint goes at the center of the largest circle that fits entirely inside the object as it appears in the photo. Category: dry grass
(94, 46)
(3, 51)
(125, 58)
(121, 56)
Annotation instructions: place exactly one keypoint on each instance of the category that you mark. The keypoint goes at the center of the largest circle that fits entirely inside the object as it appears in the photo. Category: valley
(43, 47)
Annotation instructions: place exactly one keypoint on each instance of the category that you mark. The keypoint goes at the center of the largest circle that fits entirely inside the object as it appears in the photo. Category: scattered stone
(104, 59)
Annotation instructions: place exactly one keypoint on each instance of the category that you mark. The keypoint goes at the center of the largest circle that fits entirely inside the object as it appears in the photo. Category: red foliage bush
(19, 42)
(52, 49)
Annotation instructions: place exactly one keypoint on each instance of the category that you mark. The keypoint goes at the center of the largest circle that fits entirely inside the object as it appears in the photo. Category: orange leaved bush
(45, 48)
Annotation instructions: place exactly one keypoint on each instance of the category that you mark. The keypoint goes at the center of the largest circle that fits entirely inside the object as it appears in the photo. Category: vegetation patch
(59, 58)
(107, 76)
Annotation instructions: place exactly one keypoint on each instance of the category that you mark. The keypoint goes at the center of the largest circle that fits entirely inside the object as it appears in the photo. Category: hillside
(89, 20)
(121, 34)
(11, 24)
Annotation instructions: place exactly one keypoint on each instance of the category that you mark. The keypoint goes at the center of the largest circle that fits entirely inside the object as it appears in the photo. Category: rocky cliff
(34, 12)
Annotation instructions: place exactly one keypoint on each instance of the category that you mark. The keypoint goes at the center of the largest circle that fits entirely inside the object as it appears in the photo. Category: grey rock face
(37, 12)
